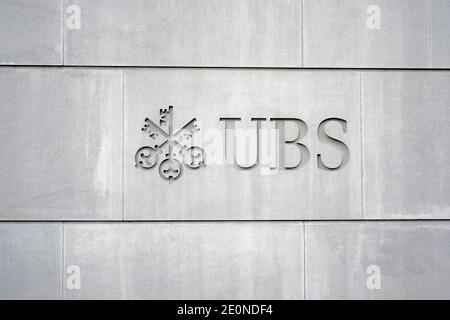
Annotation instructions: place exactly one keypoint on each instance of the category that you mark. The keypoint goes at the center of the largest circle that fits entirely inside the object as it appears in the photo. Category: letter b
(302, 129)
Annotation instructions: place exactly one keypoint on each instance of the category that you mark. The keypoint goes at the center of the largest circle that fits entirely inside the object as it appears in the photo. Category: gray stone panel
(30, 261)
(186, 260)
(221, 190)
(31, 32)
(406, 145)
(440, 30)
(186, 33)
(343, 34)
(412, 260)
(62, 144)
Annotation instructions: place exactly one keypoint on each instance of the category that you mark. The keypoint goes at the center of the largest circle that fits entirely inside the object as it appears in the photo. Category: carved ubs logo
(271, 144)
(174, 147)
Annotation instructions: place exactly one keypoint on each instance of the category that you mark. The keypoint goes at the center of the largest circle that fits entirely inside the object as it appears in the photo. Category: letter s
(332, 142)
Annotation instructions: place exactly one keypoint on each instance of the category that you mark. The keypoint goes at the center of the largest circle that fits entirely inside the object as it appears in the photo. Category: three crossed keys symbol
(175, 147)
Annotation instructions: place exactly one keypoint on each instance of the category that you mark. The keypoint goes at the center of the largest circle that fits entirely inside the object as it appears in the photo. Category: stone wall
(194, 149)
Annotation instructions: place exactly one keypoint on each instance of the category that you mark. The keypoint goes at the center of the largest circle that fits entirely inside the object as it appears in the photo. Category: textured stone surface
(220, 190)
(440, 29)
(62, 144)
(31, 32)
(186, 33)
(30, 261)
(413, 260)
(70, 139)
(406, 145)
(186, 260)
(411, 34)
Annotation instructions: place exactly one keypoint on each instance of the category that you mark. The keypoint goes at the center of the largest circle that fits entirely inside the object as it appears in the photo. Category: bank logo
(168, 148)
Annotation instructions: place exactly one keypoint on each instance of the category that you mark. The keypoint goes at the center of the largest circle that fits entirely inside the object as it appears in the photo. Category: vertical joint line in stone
(304, 260)
(123, 144)
(62, 261)
(361, 100)
(429, 37)
(63, 32)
